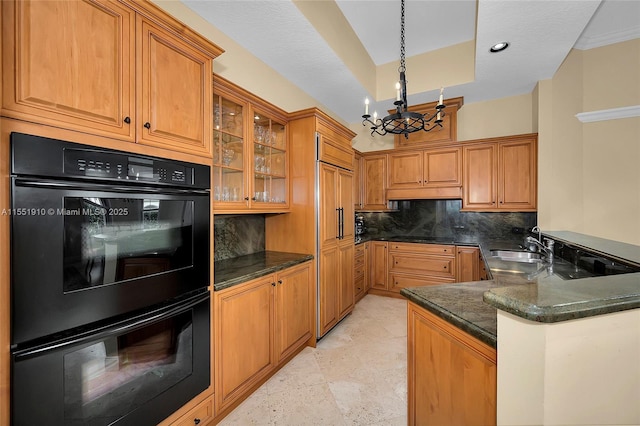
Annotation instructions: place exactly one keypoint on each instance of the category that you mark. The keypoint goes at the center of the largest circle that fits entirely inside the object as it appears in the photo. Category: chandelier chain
(402, 60)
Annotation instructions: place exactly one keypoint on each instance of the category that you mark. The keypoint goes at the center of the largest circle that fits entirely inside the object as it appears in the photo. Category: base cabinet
(258, 324)
(378, 265)
(451, 374)
(201, 414)
(468, 262)
(360, 276)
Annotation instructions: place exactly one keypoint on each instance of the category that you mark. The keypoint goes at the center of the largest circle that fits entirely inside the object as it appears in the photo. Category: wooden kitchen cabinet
(360, 274)
(140, 56)
(244, 326)
(468, 261)
(446, 134)
(415, 265)
(500, 174)
(451, 374)
(357, 180)
(293, 309)
(201, 414)
(425, 174)
(378, 265)
(374, 182)
(259, 325)
(250, 152)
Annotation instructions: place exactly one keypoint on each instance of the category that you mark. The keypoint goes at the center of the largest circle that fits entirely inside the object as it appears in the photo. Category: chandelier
(403, 122)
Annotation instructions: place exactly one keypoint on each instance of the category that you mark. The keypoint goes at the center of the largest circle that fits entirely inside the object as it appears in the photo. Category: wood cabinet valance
(447, 133)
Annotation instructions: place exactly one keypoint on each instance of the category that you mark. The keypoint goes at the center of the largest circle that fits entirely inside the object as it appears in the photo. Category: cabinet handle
(279, 281)
(246, 198)
(127, 120)
(253, 198)
(500, 201)
(196, 421)
(273, 284)
(147, 125)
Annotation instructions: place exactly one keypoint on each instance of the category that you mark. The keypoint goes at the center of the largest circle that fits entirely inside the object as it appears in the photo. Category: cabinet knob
(500, 201)
(127, 120)
(147, 125)
(445, 267)
(196, 421)
(246, 198)
(273, 284)
(279, 281)
(253, 198)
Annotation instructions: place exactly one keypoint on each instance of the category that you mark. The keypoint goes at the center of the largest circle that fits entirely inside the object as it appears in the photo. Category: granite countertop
(236, 270)
(537, 294)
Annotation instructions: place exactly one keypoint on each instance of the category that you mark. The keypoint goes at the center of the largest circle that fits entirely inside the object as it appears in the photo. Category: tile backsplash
(237, 235)
(443, 219)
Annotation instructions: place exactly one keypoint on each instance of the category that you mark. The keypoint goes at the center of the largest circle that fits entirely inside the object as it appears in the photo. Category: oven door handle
(114, 329)
(84, 186)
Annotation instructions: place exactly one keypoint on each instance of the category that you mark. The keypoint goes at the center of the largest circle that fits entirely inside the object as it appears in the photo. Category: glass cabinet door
(229, 152)
(269, 161)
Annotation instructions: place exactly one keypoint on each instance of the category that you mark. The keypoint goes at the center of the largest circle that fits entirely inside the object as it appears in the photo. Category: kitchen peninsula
(557, 336)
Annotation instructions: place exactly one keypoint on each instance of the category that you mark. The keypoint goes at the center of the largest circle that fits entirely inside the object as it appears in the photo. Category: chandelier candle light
(403, 122)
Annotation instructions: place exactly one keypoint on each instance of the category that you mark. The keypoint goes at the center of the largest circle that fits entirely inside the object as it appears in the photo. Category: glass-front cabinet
(250, 159)
(269, 160)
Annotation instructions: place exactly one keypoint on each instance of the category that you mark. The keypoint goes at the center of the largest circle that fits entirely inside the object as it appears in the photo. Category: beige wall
(589, 173)
(579, 372)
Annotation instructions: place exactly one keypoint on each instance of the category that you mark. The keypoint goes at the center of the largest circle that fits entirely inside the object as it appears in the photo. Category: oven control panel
(116, 166)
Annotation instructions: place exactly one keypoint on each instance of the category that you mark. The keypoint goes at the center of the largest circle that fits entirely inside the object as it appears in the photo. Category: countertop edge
(467, 326)
(261, 273)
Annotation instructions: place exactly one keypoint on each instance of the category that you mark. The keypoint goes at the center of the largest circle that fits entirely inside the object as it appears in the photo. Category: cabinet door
(442, 167)
(328, 205)
(269, 163)
(229, 153)
(346, 293)
(329, 287)
(175, 92)
(357, 186)
(479, 177)
(345, 202)
(451, 375)
(70, 64)
(405, 170)
(378, 265)
(294, 309)
(374, 172)
(243, 338)
(467, 264)
(517, 175)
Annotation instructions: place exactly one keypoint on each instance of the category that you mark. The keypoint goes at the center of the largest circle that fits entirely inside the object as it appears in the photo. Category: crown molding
(609, 114)
(586, 43)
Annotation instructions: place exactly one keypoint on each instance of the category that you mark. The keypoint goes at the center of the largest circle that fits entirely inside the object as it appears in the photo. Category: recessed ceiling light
(499, 47)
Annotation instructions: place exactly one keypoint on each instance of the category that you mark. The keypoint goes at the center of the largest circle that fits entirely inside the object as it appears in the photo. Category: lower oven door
(85, 251)
(135, 372)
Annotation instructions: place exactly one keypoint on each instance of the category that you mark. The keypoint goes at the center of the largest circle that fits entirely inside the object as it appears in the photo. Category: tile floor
(357, 375)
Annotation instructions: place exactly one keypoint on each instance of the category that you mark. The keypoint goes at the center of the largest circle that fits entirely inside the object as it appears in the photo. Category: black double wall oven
(110, 308)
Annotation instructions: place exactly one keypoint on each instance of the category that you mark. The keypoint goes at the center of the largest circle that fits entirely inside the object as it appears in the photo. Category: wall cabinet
(250, 152)
(139, 55)
(259, 324)
(501, 174)
(357, 180)
(374, 182)
(451, 374)
(447, 133)
(425, 174)
(468, 262)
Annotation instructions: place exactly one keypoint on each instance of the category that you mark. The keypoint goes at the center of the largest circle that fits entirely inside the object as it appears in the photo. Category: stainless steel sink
(517, 256)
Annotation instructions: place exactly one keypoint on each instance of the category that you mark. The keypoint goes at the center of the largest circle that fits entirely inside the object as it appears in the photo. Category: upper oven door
(83, 252)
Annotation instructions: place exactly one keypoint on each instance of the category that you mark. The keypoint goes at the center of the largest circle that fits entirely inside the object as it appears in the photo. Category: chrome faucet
(547, 249)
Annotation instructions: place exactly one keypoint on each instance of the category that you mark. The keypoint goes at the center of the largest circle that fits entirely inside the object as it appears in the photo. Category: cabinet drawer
(420, 264)
(358, 261)
(359, 250)
(200, 415)
(423, 248)
(400, 281)
(359, 271)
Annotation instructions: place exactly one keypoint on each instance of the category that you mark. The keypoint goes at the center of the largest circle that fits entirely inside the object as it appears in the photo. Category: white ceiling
(541, 34)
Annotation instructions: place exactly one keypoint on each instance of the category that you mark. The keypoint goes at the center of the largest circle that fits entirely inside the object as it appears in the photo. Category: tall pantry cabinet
(321, 221)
